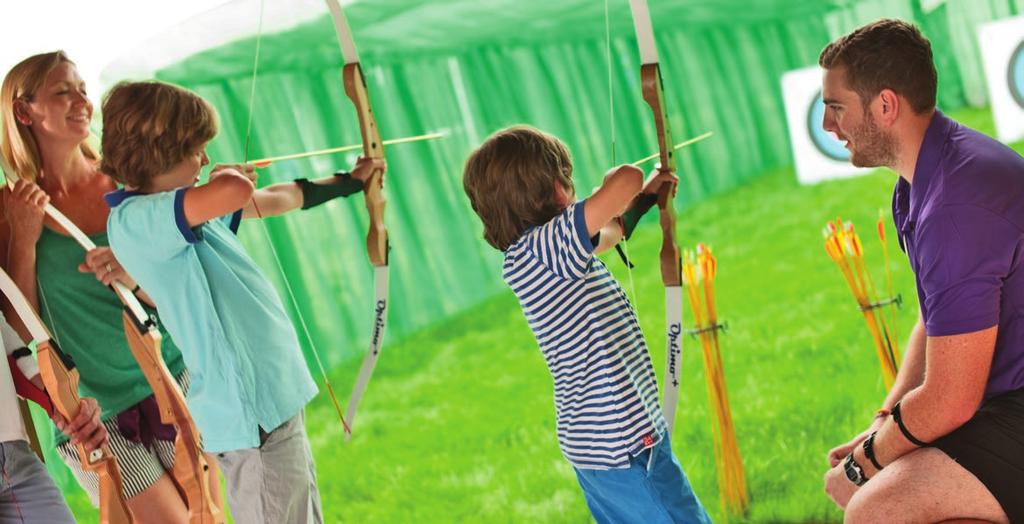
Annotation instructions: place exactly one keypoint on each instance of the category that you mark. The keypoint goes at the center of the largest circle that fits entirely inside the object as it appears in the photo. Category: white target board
(1002, 53)
(818, 154)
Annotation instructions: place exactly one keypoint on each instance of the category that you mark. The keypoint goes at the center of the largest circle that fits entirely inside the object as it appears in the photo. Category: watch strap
(869, 450)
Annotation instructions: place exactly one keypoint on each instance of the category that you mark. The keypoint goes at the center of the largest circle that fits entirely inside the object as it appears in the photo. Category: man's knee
(871, 504)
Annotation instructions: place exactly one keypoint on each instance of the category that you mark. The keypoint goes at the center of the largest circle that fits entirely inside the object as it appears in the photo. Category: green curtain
(952, 28)
(468, 68)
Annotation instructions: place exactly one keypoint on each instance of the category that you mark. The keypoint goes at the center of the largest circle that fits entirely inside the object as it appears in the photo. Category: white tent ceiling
(93, 33)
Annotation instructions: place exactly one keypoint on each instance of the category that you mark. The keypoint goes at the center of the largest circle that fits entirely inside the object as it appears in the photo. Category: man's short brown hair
(149, 127)
(887, 54)
(510, 181)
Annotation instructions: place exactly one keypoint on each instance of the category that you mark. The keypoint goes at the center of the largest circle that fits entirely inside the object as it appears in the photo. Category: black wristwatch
(853, 471)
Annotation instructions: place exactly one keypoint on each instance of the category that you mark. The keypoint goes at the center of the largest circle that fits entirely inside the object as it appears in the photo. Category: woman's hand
(104, 265)
(25, 209)
(86, 428)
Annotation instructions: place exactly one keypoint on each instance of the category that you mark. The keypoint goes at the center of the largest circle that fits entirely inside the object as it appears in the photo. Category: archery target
(1002, 52)
(818, 154)
(1015, 74)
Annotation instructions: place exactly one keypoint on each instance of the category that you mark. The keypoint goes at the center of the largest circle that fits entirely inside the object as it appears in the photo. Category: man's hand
(838, 487)
(364, 167)
(86, 429)
(838, 453)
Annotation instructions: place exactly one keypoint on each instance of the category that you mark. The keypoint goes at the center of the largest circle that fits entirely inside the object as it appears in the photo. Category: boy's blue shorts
(652, 490)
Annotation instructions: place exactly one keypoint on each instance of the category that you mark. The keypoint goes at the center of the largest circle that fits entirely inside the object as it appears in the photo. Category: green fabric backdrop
(468, 68)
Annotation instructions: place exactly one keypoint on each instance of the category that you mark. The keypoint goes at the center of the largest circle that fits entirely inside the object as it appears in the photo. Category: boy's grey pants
(275, 483)
(27, 492)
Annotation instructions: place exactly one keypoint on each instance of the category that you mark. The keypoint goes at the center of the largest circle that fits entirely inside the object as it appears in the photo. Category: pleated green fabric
(468, 68)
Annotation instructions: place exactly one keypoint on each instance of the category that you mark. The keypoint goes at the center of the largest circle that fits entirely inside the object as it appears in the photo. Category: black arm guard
(315, 194)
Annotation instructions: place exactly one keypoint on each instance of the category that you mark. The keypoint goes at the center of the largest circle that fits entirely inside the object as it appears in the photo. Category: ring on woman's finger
(109, 269)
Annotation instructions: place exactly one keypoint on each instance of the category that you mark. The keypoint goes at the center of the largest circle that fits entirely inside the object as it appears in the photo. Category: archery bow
(377, 237)
(671, 263)
(61, 380)
(191, 468)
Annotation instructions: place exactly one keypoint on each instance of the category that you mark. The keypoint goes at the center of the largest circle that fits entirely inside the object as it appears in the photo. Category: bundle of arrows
(699, 280)
(844, 247)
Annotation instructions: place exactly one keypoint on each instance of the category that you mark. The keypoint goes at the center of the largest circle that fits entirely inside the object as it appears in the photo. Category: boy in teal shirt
(177, 240)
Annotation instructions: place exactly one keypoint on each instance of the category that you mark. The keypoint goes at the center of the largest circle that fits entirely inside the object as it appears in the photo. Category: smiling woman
(45, 140)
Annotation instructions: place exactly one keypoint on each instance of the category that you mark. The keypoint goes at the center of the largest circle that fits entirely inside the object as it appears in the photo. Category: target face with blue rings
(1015, 75)
(825, 142)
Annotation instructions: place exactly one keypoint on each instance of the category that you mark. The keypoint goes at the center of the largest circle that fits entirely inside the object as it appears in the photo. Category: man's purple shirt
(962, 226)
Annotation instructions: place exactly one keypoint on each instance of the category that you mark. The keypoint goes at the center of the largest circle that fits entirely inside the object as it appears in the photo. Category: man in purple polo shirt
(948, 442)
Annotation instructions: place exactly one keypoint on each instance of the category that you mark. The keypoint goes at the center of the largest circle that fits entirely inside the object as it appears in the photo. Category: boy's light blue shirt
(243, 356)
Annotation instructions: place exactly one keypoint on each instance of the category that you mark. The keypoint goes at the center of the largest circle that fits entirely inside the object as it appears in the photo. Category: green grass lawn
(458, 424)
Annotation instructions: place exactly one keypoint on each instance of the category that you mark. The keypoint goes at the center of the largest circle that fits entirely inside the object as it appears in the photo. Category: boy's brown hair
(510, 180)
(887, 54)
(149, 127)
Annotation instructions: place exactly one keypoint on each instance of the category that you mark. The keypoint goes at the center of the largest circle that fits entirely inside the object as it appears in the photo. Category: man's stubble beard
(872, 146)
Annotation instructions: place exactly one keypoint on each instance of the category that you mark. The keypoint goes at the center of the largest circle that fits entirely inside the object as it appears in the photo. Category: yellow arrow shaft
(680, 145)
(262, 162)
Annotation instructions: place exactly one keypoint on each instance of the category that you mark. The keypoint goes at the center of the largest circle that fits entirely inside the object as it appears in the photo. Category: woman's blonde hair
(149, 127)
(18, 145)
(510, 180)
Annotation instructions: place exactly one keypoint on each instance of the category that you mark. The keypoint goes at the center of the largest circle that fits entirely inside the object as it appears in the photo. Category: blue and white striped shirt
(606, 393)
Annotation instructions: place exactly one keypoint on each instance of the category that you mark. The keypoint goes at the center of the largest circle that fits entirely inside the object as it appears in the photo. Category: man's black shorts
(991, 447)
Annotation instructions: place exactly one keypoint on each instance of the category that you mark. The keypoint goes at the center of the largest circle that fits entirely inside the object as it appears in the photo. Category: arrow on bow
(265, 162)
(671, 263)
(685, 143)
(61, 380)
(191, 468)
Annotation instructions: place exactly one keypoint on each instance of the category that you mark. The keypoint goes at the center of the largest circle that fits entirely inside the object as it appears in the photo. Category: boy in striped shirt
(609, 423)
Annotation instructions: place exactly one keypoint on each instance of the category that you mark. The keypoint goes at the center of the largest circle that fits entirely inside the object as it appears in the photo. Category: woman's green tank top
(84, 317)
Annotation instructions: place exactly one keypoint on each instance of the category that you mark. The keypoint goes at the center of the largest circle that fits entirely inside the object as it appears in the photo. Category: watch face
(851, 474)
(853, 471)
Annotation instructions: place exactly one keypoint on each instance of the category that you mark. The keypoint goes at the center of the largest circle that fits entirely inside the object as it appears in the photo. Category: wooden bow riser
(373, 147)
(62, 385)
(654, 95)
(191, 468)
(377, 233)
(671, 261)
(191, 476)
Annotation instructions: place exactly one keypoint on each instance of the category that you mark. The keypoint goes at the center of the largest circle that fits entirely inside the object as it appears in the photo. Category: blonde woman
(44, 137)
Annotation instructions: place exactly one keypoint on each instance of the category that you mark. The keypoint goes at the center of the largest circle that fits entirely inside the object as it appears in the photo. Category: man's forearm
(909, 378)
(955, 379)
(911, 373)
